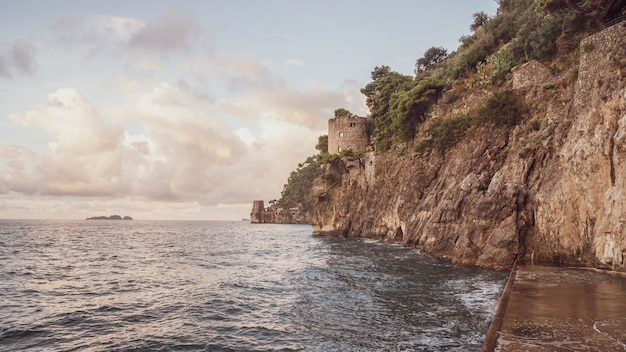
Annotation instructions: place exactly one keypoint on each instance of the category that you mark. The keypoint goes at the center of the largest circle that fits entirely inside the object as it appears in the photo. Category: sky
(188, 110)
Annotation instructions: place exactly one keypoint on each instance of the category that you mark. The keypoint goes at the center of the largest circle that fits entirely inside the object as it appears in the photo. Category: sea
(105, 285)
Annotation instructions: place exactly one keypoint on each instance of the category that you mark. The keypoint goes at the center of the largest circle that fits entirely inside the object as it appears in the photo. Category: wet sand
(561, 309)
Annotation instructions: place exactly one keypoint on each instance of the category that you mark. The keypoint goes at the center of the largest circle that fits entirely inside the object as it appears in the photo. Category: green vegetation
(349, 154)
(431, 57)
(408, 108)
(444, 133)
(398, 104)
(343, 112)
(502, 108)
(545, 30)
(297, 190)
(322, 144)
(588, 47)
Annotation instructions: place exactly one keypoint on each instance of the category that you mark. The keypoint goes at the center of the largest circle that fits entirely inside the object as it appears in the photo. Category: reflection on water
(564, 309)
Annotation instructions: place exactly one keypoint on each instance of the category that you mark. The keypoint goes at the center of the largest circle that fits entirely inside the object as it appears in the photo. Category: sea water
(230, 286)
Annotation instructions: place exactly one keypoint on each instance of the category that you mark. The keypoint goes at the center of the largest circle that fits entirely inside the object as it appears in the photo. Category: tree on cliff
(398, 103)
(431, 57)
(297, 190)
(322, 143)
(596, 10)
(385, 83)
(480, 18)
(408, 108)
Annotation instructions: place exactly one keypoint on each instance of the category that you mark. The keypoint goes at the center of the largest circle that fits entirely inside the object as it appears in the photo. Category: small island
(112, 217)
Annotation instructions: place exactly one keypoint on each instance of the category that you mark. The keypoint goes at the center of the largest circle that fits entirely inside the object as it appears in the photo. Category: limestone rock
(498, 198)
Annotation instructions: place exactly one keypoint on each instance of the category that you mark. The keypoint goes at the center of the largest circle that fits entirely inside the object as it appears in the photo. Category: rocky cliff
(551, 190)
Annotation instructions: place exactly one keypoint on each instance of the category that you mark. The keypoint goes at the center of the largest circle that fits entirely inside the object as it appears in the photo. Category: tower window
(340, 134)
(352, 124)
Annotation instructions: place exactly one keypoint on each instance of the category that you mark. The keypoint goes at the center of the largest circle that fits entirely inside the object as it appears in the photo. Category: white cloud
(184, 151)
(237, 74)
(246, 136)
(214, 133)
(120, 27)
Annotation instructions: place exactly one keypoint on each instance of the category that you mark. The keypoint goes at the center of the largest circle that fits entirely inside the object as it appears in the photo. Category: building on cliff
(349, 132)
(276, 215)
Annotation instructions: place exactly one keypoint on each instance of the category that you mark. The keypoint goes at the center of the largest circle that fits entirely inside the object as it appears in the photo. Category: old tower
(256, 215)
(348, 132)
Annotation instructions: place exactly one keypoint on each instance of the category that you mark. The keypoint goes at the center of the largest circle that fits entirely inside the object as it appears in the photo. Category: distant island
(112, 217)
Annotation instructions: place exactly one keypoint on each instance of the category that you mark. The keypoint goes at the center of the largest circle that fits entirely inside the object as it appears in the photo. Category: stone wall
(579, 216)
(348, 132)
(276, 215)
(532, 73)
(361, 171)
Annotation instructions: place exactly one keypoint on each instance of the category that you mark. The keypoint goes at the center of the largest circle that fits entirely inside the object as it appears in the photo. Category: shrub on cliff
(408, 108)
(445, 132)
(502, 108)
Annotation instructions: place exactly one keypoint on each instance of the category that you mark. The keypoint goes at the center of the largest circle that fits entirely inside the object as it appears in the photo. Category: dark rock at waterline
(112, 217)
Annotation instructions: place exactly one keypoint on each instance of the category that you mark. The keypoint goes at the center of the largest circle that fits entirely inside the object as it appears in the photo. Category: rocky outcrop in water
(551, 190)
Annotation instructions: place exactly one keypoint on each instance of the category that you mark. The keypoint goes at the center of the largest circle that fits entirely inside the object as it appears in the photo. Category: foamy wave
(477, 294)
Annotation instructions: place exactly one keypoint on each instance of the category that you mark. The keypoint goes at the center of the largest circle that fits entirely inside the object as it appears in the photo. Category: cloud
(122, 28)
(172, 141)
(172, 31)
(83, 158)
(184, 151)
(16, 173)
(5, 70)
(236, 74)
(310, 108)
(23, 54)
(74, 32)
(182, 154)
(19, 57)
(258, 90)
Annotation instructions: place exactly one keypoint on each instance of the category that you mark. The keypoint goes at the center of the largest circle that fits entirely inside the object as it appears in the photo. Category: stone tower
(348, 132)
(256, 215)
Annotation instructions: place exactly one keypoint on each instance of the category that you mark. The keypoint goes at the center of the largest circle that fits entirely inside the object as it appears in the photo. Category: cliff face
(552, 191)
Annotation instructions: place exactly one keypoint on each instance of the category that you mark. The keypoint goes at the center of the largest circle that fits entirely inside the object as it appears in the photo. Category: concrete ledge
(547, 308)
(496, 324)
